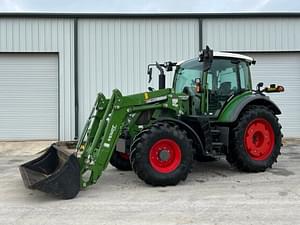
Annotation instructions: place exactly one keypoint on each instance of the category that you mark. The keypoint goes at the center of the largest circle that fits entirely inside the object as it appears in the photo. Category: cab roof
(225, 55)
(233, 55)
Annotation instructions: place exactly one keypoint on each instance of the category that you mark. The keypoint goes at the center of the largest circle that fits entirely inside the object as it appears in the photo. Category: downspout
(76, 75)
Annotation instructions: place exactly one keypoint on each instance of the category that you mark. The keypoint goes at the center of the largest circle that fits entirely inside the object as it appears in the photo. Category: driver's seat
(225, 89)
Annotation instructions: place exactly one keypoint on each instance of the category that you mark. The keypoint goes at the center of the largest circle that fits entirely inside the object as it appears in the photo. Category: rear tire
(256, 140)
(162, 155)
(120, 161)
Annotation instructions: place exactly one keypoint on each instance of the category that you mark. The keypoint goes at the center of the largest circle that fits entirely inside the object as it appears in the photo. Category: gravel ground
(214, 193)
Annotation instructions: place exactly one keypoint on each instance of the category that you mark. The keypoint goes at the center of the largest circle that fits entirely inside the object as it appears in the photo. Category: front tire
(162, 155)
(256, 140)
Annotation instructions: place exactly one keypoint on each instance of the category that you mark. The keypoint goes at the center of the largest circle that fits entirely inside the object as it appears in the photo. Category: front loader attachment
(56, 172)
(62, 172)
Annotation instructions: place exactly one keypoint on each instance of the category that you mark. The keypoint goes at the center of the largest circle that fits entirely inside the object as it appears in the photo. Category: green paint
(227, 112)
(204, 105)
(109, 117)
(106, 121)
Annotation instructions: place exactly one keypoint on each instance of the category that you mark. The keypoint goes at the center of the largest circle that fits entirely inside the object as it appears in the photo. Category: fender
(191, 132)
(233, 108)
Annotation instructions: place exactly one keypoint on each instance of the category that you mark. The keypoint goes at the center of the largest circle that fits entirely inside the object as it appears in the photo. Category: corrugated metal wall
(46, 35)
(114, 53)
(252, 34)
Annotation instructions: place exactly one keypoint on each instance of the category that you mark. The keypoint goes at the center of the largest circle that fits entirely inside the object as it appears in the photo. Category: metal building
(52, 65)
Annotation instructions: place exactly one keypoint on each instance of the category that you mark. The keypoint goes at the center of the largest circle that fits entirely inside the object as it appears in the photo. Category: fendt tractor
(211, 110)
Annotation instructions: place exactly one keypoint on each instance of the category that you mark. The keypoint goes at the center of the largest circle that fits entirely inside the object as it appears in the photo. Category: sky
(151, 5)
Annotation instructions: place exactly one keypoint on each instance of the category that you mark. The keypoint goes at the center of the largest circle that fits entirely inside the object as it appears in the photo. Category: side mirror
(149, 72)
(259, 86)
(198, 87)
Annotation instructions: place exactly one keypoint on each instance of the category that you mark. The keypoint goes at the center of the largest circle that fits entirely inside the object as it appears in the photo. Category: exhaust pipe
(161, 77)
(162, 81)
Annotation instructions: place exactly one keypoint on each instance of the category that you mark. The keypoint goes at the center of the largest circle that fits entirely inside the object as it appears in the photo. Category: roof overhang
(233, 55)
(150, 14)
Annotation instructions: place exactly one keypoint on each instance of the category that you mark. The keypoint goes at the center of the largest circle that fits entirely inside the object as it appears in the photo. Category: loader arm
(105, 124)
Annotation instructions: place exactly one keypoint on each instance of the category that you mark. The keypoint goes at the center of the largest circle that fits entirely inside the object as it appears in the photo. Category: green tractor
(211, 110)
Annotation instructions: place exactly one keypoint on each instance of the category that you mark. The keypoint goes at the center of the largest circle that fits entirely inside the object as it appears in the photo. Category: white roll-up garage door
(284, 69)
(28, 96)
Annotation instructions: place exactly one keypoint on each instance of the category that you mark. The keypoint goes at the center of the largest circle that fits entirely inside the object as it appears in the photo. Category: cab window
(244, 76)
(186, 74)
(226, 77)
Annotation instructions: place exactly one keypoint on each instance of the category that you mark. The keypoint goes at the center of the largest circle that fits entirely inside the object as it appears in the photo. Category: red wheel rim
(124, 155)
(165, 156)
(259, 139)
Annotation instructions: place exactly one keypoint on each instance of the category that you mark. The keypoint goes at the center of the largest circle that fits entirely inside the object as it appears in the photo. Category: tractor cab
(228, 75)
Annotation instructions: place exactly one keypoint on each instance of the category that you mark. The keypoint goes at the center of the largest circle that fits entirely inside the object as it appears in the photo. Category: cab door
(226, 78)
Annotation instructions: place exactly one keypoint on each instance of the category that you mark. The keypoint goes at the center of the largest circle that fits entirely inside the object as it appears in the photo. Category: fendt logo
(112, 130)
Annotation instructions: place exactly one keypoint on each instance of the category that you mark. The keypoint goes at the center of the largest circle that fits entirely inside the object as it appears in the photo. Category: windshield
(186, 73)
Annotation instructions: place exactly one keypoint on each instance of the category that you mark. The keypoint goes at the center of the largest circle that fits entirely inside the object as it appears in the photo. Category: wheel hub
(258, 138)
(164, 154)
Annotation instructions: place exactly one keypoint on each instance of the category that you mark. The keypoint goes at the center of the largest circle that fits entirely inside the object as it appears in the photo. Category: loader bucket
(57, 172)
